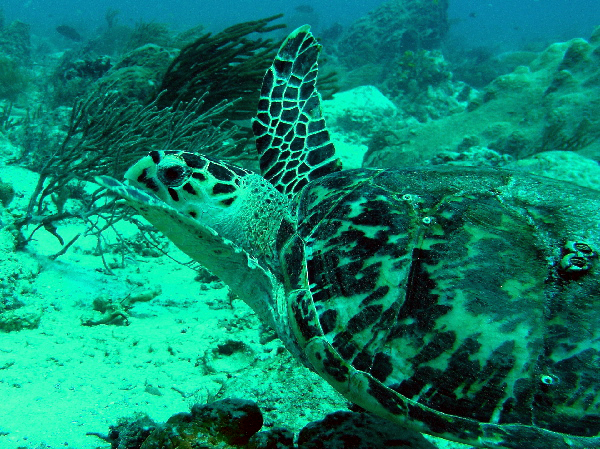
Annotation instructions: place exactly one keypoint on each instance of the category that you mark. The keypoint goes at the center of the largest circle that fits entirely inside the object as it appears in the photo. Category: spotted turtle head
(193, 184)
(238, 204)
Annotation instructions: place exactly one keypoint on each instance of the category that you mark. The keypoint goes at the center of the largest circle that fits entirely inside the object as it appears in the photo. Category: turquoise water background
(512, 23)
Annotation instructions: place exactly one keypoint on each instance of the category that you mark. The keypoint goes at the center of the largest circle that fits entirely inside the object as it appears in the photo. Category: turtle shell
(464, 304)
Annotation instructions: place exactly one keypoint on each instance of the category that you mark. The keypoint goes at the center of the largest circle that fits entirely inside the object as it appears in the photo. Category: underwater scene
(300, 225)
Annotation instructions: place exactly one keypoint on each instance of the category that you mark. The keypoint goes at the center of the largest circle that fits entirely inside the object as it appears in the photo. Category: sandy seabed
(63, 380)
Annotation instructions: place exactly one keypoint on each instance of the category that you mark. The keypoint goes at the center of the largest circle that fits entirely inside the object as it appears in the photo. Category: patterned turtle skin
(460, 303)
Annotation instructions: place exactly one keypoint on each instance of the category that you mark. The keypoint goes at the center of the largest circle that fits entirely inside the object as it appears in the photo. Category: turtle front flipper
(291, 136)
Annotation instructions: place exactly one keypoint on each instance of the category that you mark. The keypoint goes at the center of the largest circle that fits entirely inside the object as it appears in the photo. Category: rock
(562, 165)
(15, 41)
(19, 319)
(129, 434)
(138, 75)
(474, 156)
(221, 424)
(233, 420)
(275, 438)
(150, 56)
(344, 430)
(350, 151)
(7, 193)
(233, 423)
(392, 28)
(544, 106)
(17, 273)
(358, 110)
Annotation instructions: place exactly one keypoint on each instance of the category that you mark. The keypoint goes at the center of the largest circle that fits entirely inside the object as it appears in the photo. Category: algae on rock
(536, 108)
(392, 28)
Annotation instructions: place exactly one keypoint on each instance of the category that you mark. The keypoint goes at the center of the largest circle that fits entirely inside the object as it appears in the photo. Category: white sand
(63, 379)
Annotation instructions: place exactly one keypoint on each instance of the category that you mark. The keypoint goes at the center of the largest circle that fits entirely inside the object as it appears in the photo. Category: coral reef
(393, 28)
(74, 76)
(480, 65)
(146, 33)
(137, 76)
(421, 84)
(150, 56)
(151, 97)
(417, 70)
(15, 42)
(551, 104)
(343, 429)
(229, 65)
(13, 79)
(230, 423)
(396, 48)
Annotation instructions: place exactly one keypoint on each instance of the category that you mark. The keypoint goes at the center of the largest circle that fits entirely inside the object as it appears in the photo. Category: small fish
(472, 14)
(69, 32)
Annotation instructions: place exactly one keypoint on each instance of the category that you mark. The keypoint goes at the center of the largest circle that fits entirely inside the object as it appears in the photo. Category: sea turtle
(463, 303)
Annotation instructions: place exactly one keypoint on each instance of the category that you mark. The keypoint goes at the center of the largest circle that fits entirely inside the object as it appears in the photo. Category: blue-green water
(479, 22)
(490, 111)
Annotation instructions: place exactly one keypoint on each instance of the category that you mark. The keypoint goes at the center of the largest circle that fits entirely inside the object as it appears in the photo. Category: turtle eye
(173, 175)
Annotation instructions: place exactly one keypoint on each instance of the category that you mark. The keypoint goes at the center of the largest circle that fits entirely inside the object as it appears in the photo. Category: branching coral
(148, 33)
(12, 79)
(109, 310)
(105, 135)
(107, 131)
(228, 65)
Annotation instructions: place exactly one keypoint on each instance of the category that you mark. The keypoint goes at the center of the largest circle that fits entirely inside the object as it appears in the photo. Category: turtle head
(195, 185)
(238, 204)
(224, 217)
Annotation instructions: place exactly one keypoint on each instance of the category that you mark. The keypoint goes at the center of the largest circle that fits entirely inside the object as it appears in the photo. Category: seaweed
(229, 65)
(13, 79)
(148, 33)
(105, 136)
(107, 131)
